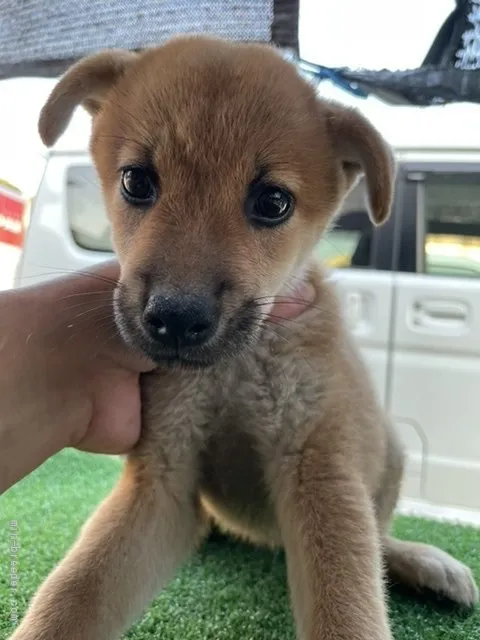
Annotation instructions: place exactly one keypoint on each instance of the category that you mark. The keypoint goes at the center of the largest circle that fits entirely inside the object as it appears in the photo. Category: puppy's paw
(440, 572)
(423, 566)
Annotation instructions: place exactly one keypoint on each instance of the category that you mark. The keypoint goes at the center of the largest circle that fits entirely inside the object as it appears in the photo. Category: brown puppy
(220, 169)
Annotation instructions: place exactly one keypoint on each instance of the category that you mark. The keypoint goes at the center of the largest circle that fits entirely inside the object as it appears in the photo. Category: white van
(411, 290)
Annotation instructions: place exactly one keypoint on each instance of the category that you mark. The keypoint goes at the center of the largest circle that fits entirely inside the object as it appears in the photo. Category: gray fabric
(42, 37)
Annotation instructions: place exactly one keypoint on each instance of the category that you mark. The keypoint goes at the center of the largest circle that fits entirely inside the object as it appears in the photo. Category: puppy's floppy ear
(87, 83)
(362, 150)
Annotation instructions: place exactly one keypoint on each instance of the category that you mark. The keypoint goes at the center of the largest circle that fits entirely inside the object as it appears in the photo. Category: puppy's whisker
(286, 301)
(103, 307)
(62, 271)
(70, 322)
(104, 345)
(326, 312)
(302, 304)
(107, 302)
(106, 320)
(280, 318)
(98, 316)
(270, 299)
(85, 294)
(271, 328)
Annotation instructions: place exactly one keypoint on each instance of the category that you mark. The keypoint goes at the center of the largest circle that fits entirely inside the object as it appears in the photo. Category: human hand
(66, 376)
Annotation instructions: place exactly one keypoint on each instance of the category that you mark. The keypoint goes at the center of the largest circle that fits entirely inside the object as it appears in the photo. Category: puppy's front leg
(333, 551)
(124, 555)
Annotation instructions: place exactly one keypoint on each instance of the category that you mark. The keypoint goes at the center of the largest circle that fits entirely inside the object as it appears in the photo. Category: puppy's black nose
(180, 320)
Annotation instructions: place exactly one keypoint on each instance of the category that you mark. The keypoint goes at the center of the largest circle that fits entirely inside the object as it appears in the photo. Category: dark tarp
(449, 73)
(43, 37)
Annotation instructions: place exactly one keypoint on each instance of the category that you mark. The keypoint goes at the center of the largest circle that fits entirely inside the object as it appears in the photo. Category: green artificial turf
(227, 591)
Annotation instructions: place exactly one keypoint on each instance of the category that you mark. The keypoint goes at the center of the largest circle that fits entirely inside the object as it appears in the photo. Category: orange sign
(12, 208)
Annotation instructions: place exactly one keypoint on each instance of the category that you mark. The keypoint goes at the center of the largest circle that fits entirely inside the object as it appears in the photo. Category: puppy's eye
(139, 186)
(269, 205)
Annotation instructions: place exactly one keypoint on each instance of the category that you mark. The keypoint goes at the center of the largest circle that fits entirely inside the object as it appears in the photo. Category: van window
(86, 211)
(449, 219)
(348, 242)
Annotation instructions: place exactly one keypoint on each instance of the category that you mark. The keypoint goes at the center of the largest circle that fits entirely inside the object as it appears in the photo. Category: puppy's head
(220, 169)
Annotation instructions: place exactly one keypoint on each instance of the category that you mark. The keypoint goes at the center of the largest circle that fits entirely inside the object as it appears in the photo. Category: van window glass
(451, 224)
(348, 242)
(86, 212)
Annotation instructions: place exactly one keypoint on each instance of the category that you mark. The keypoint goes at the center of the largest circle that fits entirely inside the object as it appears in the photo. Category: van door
(362, 259)
(436, 363)
(68, 229)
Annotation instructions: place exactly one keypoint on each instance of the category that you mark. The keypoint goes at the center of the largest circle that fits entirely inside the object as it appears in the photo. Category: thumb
(116, 416)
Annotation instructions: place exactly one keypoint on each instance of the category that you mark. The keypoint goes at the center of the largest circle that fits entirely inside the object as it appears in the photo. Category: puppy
(220, 169)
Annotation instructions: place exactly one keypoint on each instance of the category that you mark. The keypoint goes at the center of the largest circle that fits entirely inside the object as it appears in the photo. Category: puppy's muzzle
(180, 320)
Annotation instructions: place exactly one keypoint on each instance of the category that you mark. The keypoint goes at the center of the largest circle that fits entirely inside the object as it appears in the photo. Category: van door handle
(440, 314)
(354, 307)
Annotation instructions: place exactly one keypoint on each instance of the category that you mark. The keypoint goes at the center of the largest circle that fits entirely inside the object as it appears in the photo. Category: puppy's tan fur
(283, 442)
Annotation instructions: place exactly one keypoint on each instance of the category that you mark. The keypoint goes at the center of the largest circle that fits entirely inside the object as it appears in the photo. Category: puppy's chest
(263, 410)
(262, 392)
(268, 396)
(263, 403)
(230, 422)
